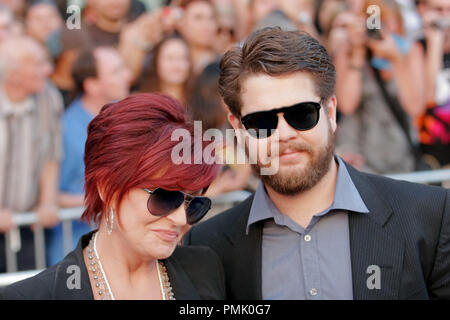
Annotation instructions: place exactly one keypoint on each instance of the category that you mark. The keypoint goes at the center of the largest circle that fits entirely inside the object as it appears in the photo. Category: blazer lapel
(245, 258)
(181, 283)
(377, 255)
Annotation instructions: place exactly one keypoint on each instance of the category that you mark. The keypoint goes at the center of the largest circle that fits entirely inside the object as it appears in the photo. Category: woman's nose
(178, 217)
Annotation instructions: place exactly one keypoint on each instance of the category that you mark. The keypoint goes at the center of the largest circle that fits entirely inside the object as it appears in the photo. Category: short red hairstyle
(129, 146)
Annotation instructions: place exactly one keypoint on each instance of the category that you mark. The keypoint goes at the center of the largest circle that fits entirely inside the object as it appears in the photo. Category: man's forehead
(264, 92)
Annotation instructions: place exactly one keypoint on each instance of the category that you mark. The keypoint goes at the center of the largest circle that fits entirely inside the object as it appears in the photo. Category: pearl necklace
(101, 281)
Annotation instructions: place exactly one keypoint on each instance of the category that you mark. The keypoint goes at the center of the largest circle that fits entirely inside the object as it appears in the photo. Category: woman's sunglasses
(162, 202)
(301, 116)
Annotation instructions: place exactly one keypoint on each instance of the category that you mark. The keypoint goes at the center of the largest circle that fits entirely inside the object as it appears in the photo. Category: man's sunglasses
(301, 116)
(162, 202)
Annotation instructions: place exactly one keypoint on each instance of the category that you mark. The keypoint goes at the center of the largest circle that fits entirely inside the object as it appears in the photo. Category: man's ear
(332, 111)
(235, 122)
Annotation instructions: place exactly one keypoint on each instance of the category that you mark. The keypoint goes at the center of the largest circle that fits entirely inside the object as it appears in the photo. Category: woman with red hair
(143, 204)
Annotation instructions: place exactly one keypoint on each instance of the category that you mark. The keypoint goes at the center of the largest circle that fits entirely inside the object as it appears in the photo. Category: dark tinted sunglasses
(301, 116)
(162, 202)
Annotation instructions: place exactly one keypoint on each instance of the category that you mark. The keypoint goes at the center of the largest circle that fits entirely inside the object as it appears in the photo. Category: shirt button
(313, 292)
(307, 238)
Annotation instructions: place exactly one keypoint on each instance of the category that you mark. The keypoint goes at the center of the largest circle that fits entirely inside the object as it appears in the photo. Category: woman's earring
(110, 221)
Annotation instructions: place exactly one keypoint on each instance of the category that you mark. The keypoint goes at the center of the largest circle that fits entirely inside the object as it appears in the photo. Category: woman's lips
(166, 235)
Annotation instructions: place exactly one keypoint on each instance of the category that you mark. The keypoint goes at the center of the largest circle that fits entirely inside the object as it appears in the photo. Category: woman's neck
(120, 258)
(129, 274)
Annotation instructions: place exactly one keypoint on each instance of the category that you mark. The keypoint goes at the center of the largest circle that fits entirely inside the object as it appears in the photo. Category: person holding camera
(434, 123)
(379, 88)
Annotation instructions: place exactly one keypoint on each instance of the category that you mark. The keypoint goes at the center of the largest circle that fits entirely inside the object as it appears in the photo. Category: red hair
(129, 146)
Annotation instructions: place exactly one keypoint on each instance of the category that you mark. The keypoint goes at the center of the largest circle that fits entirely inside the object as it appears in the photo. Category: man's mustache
(295, 147)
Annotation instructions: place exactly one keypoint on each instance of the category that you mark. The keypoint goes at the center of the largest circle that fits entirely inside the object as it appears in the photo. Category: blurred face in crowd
(304, 156)
(261, 8)
(442, 7)
(173, 62)
(37, 69)
(113, 77)
(225, 34)
(438, 10)
(29, 67)
(198, 25)
(6, 24)
(42, 20)
(111, 10)
(14, 5)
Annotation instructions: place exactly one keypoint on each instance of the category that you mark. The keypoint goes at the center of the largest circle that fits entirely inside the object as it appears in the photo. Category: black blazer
(195, 273)
(406, 234)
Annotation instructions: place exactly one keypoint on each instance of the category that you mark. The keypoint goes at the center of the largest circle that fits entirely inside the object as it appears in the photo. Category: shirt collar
(346, 197)
(8, 108)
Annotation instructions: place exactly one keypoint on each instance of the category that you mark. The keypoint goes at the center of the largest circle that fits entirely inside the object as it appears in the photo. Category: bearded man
(316, 228)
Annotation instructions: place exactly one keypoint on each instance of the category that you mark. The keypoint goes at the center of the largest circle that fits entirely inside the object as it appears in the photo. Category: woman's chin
(162, 251)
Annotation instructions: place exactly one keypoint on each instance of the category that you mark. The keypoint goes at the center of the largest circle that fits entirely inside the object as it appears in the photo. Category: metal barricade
(220, 203)
(13, 244)
(427, 177)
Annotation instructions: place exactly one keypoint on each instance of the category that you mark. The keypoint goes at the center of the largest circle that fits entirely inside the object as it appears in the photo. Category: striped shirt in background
(30, 136)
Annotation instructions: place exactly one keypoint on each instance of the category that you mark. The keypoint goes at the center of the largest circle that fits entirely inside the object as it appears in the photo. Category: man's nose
(286, 132)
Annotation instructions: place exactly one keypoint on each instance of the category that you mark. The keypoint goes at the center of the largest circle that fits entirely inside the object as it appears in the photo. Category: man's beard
(293, 181)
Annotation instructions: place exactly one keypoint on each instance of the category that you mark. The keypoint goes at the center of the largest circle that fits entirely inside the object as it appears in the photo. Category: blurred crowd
(58, 67)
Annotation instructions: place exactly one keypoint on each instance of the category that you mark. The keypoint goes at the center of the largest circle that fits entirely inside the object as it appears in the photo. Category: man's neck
(93, 105)
(303, 206)
(15, 94)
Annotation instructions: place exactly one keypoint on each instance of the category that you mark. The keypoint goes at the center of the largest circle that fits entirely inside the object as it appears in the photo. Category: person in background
(226, 26)
(17, 7)
(198, 26)
(30, 142)
(380, 90)
(43, 22)
(206, 105)
(8, 25)
(143, 205)
(250, 13)
(100, 77)
(170, 68)
(110, 18)
(434, 123)
(288, 14)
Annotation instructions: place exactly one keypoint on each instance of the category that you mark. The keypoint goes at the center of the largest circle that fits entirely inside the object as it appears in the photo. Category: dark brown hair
(84, 67)
(204, 102)
(275, 52)
(152, 81)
